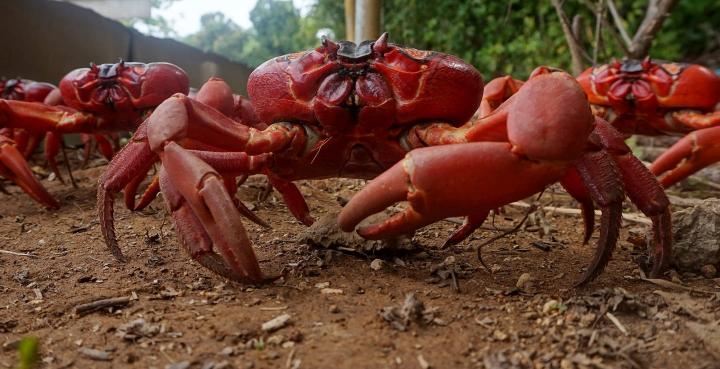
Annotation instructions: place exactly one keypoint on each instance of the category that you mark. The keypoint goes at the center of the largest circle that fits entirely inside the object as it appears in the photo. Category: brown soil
(194, 319)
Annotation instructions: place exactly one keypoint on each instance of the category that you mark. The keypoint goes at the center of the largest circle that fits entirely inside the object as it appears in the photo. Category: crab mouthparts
(353, 100)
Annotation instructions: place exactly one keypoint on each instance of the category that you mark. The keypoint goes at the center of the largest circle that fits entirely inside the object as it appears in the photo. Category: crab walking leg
(573, 184)
(17, 170)
(52, 149)
(693, 152)
(293, 199)
(603, 181)
(648, 195)
(471, 223)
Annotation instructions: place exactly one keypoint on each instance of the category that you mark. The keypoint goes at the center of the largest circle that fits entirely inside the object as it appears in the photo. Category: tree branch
(658, 11)
(619, 23)
(576, 52)
(599, 17)
(606, 25)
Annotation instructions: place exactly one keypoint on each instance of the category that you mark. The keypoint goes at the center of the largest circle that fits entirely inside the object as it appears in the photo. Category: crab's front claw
(15, 168)
(205, 215)
(444, 181)
(693, 152)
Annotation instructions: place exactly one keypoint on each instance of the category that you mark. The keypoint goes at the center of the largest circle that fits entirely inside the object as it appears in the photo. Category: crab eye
(381, 45)
(330, 46)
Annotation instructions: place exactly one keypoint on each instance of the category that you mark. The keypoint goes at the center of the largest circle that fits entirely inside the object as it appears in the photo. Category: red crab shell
(122, 86)
(373, 86)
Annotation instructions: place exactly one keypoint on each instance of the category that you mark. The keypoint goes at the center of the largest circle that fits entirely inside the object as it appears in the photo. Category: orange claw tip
(383, 191)
(20, 173)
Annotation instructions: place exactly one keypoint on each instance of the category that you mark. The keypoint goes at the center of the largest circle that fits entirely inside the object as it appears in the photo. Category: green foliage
(155, 25)
(278, 29)
(498, 37)
(28, 353)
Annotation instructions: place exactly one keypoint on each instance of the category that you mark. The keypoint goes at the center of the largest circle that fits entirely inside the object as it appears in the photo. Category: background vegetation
(498, 37)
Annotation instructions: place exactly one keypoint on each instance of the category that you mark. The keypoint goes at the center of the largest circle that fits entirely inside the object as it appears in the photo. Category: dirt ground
(343, 313)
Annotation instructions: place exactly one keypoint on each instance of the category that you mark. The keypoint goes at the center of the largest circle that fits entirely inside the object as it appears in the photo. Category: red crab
(661, 98)
(31, 91)
(17, 144)
(102, 99)
(399, 115)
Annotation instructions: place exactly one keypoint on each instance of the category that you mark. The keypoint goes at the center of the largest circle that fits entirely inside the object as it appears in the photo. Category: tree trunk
(367, 20)
(350, 20)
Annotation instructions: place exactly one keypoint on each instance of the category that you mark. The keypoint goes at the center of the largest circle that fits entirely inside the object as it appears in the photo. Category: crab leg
(182, 121)
(602, 180)
(40, 118)
(17, 170)
(693, 152)
(648, 195)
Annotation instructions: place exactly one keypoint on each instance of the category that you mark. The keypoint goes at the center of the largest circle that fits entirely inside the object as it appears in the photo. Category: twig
(619, 24)
(610, 28)
(90, 307)
(18, 253)
(657, 12)
(673, 285)
(631, 217)
(617, 323)
(704, 182)
(599, 17)
(576, 51)
(531, 208)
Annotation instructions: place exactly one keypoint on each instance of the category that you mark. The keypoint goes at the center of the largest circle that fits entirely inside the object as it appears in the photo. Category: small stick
(18, 253)
(90, 307)
(632, 217)
(617, 323)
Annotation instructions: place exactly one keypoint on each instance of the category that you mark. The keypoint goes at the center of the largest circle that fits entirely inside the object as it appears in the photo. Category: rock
(325, 233)
(696, 232)
(137, 328)
(708, 271)
(526, 282)
(377, 264)
(276, 323)
(400, 318)
(178, 365)
(334, 309)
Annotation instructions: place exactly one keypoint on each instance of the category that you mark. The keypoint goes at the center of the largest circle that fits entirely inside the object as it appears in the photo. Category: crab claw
(17, 170)
(421, 179)
(205, 215)
(693, 152)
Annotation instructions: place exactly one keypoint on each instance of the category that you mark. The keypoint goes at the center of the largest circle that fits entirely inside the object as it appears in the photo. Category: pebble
(377, 264)
(709, 271)
(276, 323)
(526, 282)
(500, 335)
(423, 363)
(550, 306)
(275, 340)
(322, 285)
(178, 365)
(334, 309)
(331, 291)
